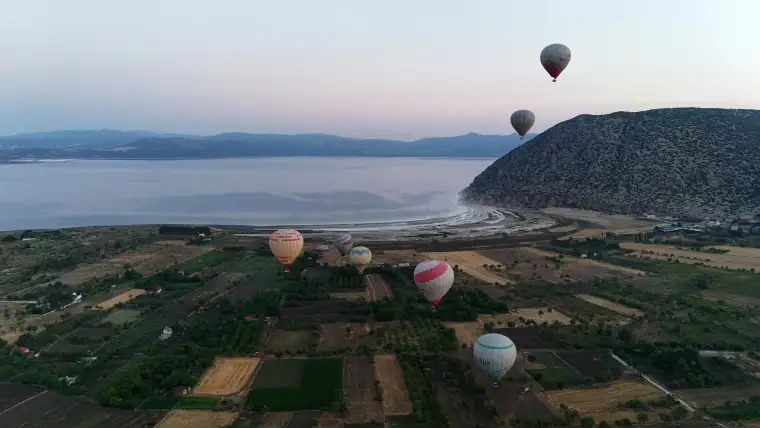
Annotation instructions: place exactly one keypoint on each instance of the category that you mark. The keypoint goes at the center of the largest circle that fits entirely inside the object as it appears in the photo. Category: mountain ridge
(115, 144)
(684, 162)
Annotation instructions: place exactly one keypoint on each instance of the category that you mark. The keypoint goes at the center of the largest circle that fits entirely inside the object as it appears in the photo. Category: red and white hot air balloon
(286, 245)
(555, 58)
(434, 279)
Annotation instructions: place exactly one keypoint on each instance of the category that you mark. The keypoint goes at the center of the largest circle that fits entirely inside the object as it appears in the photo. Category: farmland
(121, 298)
(197, 419)
(734, 257)
(317, 385)
(337, 336)
(289, 341)
(122, 316)
(520, 316)
(615, 307)
(361, 392)
(378, 288)
(472, 264)
(227, 376)
(395, 393)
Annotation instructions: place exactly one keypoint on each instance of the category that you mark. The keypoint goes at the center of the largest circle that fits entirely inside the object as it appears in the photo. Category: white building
(166, 333)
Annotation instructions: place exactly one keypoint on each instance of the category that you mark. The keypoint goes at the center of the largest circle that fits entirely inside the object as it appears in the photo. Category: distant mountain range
(114, 144)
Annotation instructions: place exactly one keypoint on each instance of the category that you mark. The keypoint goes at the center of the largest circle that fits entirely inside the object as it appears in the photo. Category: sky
(391, 68)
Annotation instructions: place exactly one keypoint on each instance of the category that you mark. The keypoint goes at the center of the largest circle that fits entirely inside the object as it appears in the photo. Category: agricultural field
(467, 332)
(615, 307)
(227, 376)
(292, 341)
(731, 299)
(736, 257)
(714, 397)
(422, 335)
(471, 263)
(520, 316)
(530, 262)
(121, 298)
(575, 307)
(197, 419)
(206, 259)
(551, 371)
(395, 393)
(527, 337)
(281, 386)
(156, 257)
(351, 295)
(337, 336)
(120, 317)
(361, 391)
(603, 403)
(378, 288)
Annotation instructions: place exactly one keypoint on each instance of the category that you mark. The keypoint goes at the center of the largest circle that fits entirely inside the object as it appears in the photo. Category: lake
(257, 191)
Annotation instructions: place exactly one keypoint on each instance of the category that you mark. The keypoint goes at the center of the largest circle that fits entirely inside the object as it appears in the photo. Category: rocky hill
(689, 162)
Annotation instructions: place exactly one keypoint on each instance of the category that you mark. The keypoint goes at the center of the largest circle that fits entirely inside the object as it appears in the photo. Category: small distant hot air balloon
(554, 59)
(495, 354)
(522, 121)
(343, 244)
(433, 279)
(360, 257)
(286, 245)
(321, 249)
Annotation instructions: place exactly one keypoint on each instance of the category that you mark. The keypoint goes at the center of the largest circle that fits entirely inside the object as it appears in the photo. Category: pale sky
(389, 68)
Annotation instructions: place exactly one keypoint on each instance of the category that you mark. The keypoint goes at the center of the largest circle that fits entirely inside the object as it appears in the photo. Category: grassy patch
(203, 261)
(159, 402)
(197, 403)
(276, 374)
(120, 317)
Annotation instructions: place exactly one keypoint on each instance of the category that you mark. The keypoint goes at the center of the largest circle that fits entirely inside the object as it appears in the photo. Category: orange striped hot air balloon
(286, 245)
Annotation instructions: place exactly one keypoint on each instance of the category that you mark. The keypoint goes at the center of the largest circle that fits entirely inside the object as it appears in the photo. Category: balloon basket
(554, 80)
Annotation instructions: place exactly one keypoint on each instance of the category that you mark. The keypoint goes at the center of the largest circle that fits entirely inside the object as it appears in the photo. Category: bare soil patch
(471, 262)
(197, 419)
(604, 221)
(377, 288)
(615, 307)
(467, 332)
(289, 341)
(359, 391)
(731, 299)
(227, 376)
(275, 420)
(395, 393)
(158, 256)
(345, 335)
(120, 298)
(736, 258)
(602, 403)
(539, 315)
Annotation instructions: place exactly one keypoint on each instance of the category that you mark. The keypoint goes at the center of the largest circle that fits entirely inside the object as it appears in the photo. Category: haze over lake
(260, 191)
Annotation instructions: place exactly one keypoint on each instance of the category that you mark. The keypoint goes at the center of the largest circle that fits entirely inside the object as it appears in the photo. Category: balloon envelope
(434, 279)
(322, 248)
(343, 244)
(555, 58)
(495, 354)
(360, 257)
(286, 245)
(522, 121)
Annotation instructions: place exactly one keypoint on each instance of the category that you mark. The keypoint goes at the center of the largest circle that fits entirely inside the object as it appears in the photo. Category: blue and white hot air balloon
(494, 354)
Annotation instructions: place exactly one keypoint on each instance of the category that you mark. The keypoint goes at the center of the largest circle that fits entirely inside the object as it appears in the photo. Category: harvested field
(227, 376)
(345, 335)
(197, 419)
(122, 316)
(731, 299)
(471, 262)
(158, 256)
(360, 392)
(351, 295)
(615, 307)
(329, 420)
(121, 298)
(279, 373)
(396, 256)
(530, 262)
(539, 315)
(12, 394)
(573, 306)
(736, 258)
(289, 341)
(467, 332)
(378, 288)
(713, 397)
(602, 403)
(395, 393)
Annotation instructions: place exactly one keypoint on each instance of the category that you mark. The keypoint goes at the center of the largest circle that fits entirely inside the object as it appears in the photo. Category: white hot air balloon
(360, 257)
(522, 121)
(433, 279)
(286, 245)
(554, 59)
(495, 354)
(343, 244)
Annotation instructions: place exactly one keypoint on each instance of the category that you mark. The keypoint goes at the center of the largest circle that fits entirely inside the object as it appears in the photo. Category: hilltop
(113, 144)
(688, 162)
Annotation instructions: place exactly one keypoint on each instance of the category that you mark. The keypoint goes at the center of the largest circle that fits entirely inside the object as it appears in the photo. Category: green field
(320, 387)
(276, 373)
(197, 403)
(203, 261)
(555, 374)
(159, 402)
(120, 317)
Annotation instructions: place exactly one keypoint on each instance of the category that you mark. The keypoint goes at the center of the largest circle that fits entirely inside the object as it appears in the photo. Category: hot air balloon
(321, 250)
(286, 245)
(522, 121)
(433, 279)
(495, 354)
(554, 59)
(344, 243)
(360, 257)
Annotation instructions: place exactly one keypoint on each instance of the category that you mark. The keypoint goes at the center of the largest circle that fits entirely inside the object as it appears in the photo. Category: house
(156, 290)
(166, 333)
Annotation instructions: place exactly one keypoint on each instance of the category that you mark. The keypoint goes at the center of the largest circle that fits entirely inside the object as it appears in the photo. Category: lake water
(260, 191)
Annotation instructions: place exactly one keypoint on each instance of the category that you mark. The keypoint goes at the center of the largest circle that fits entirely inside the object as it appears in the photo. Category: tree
(642, 418)
(587, 422)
